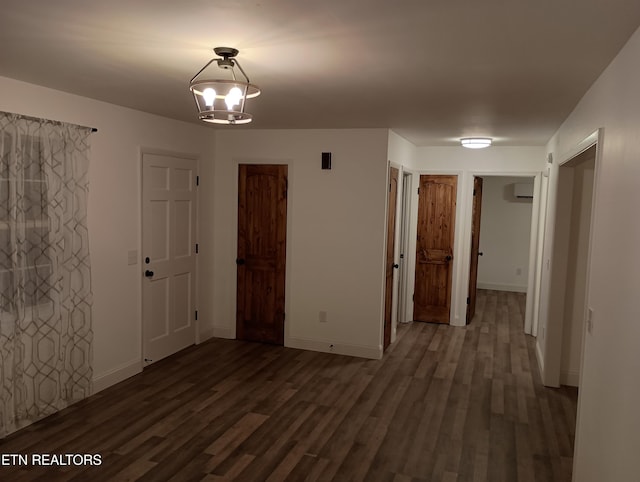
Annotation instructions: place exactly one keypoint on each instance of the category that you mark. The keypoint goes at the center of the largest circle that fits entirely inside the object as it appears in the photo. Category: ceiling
(432, 70)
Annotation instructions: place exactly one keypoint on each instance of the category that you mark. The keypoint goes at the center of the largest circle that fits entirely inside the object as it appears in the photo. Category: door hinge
(418, 191)
(468, 300)
(413, 297)
(389, 187)
(197, 180)
(196, 315)
(474, 192)
(197, 248)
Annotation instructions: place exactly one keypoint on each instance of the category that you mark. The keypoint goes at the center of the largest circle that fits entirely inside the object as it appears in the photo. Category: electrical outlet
(331, 347)
(518, 271)
(322, 317)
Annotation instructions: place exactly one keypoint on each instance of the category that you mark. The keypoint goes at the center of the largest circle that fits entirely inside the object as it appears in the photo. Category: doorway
(390, 264)
(568, 314)
(261, 255)
(403, 274)
(476, 216)
(503, 223)
(169, 254)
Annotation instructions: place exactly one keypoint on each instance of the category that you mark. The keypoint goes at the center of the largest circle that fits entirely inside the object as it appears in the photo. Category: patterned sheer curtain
(45, 282)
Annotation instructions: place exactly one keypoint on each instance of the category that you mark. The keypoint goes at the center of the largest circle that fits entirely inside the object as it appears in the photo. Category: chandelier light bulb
(233, 97)
(209, 95)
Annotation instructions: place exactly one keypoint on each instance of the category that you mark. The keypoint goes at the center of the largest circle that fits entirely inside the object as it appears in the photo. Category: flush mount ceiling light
(475, 142)
(222, 101)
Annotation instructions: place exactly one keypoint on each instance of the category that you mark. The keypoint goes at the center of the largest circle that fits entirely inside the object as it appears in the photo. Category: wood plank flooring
(444, 404)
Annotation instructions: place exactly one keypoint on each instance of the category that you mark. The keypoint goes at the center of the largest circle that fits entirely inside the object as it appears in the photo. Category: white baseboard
(205, 335)
(116, 375)
(570, 378)
(224, 332)
(502, 287)
(374, 352)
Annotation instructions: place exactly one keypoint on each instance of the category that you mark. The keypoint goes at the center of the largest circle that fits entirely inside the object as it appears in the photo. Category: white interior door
(168, 254)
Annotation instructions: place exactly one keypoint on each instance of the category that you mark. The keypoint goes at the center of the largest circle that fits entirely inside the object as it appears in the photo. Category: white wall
(335, 233)
(506, 161)
(608, 425)
(401, 151)
(114, 208)
(505, 229)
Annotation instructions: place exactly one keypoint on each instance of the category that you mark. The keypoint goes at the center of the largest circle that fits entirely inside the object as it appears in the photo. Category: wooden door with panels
(475, 247)
(261, 259)
(434, 248)
(390, 261)
(169, 254)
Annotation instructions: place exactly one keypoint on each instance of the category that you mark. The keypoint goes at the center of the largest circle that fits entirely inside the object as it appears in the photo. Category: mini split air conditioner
(523, 190)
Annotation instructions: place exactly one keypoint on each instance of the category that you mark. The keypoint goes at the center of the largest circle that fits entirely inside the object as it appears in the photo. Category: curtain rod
(38, 119)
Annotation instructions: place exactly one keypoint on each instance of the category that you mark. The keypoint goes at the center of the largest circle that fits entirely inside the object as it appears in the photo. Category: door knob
(448, 258)
(240, 261)
(396, 266)
(148, 273)
(480, 253)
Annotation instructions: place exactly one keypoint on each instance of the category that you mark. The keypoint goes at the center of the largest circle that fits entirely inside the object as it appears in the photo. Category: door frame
(233, 226)
(549, 346)
(139, 263)
(455, 318)
(476, 218)
(404, 247)
(395, 301)
(534, 258)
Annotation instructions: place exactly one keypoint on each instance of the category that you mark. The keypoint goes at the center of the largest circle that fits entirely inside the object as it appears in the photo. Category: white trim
(530, 321)
(588, 142)
(404, 247)
(205, 335)
(361, 351)
(228, 332)
(116, 375)
(502, 287)
(570, 378)
(396, 250)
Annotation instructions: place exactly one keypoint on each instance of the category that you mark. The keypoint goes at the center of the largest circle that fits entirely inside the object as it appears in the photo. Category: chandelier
(222, 101)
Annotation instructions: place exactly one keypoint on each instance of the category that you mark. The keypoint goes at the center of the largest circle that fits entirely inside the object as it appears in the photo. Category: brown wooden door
(262, 229)
(434, 248)
(475, 247)
(390, 263)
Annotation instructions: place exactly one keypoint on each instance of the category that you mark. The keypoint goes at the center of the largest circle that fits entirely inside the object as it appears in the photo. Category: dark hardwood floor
(444, 404)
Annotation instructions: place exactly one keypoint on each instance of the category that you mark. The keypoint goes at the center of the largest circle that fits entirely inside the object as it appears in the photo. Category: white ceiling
(433, 70)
